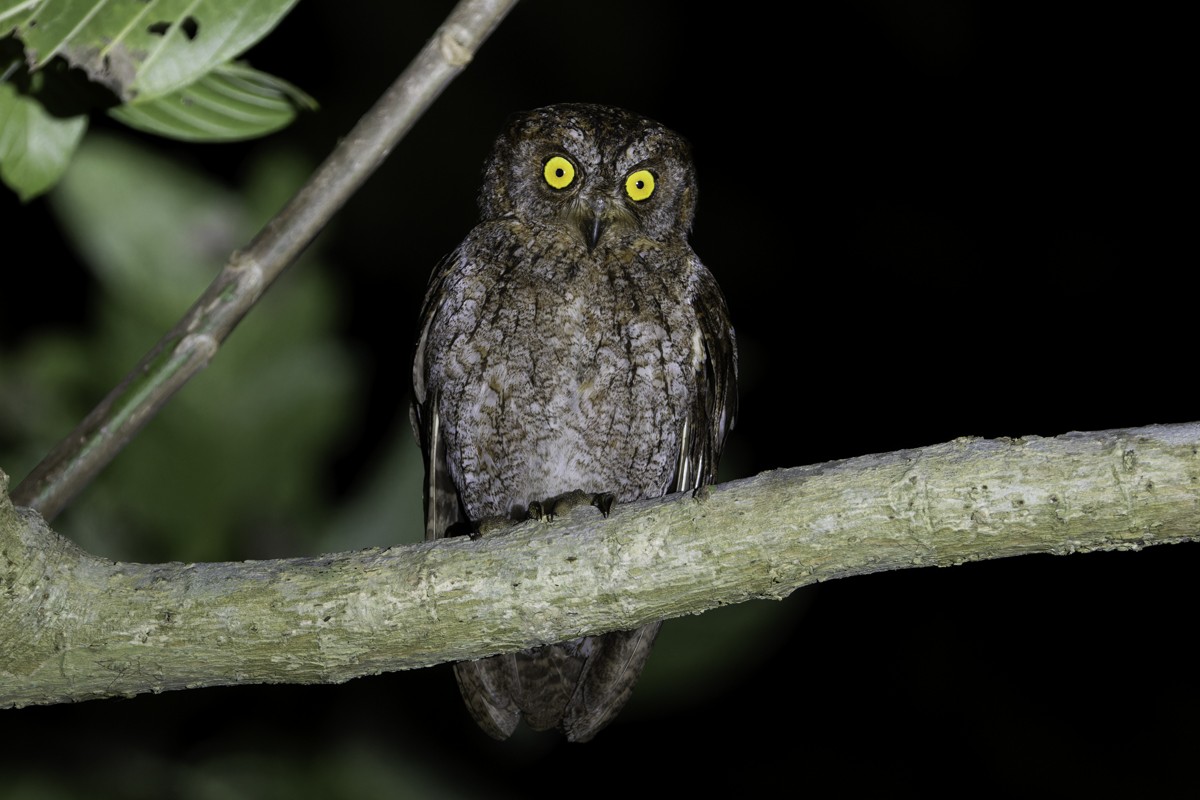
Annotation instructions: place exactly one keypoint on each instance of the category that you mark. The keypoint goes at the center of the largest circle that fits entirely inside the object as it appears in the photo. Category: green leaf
(14, 13)
(35, 146)
(141, 48)
(230, 103)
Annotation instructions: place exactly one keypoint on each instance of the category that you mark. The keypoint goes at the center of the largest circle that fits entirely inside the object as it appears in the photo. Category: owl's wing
(714, 406)
(443, 508)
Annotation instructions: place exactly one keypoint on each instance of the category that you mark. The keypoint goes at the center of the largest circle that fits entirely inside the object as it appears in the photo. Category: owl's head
(600, 172)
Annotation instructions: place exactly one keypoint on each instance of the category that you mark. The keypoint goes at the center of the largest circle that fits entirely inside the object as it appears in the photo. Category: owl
(572, 343)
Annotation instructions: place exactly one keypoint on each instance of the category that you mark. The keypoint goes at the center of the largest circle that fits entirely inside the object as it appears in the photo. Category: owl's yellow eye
(640, 185)
(559, 172)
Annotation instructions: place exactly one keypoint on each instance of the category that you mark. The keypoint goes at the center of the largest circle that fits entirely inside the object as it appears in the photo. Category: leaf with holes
(140, 49)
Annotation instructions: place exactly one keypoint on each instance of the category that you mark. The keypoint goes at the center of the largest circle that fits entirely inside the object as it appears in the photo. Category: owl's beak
(592, 217)
(592, 225)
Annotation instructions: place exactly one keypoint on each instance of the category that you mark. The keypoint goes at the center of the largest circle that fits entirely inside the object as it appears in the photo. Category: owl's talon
(604, 501)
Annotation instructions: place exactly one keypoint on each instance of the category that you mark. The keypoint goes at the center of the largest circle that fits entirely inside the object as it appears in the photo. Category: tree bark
(74, 626)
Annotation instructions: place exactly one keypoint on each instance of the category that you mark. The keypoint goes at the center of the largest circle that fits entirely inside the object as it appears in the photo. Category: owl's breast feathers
(555, 368)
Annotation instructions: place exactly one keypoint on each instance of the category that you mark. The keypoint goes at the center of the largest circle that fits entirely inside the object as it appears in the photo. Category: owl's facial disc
(592, 198)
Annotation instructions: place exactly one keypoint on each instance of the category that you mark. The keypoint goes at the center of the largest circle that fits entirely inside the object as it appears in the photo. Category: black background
(930, 220)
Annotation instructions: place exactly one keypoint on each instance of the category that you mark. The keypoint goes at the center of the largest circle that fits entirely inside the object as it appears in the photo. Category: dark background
(930, 220)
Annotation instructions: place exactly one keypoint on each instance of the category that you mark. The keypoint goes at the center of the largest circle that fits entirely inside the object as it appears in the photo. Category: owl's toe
(546, 510)
(604, 501)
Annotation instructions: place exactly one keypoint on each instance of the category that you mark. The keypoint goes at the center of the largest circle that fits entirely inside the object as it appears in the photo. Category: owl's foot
(547, 510)
(604, 501)
(479, 529)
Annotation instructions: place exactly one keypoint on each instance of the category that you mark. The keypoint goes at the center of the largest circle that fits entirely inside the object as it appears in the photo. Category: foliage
(250, 434)
(166, 67)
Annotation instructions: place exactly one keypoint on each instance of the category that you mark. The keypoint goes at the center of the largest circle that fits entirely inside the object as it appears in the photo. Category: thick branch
(75, 627)
(191, 344)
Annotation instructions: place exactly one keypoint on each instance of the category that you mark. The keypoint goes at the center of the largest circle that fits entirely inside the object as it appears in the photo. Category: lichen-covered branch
(73, 626)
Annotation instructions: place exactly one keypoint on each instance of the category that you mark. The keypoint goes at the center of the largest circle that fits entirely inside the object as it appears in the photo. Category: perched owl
(572, 342)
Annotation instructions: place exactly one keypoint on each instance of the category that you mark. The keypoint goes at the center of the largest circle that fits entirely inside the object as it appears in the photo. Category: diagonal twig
(190, 345)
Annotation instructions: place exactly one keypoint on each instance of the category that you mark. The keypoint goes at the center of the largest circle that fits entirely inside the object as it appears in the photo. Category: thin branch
(191, 344)
(74, 626)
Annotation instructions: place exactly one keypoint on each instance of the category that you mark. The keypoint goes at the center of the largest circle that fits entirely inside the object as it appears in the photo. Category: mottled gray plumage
(573, 341)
